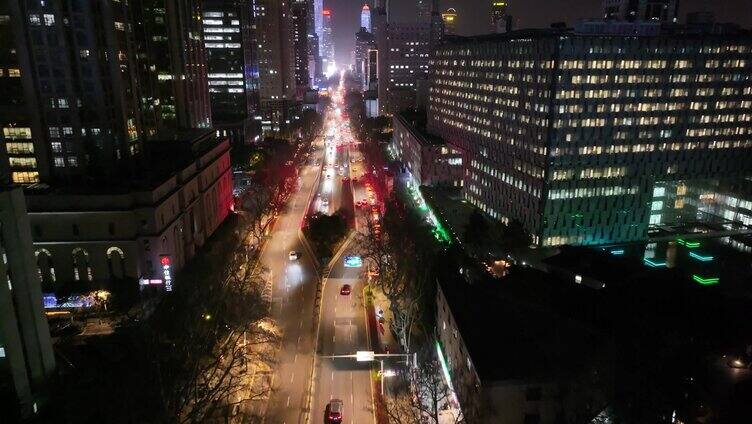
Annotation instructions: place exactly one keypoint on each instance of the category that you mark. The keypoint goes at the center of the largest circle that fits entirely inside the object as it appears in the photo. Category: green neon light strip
(444, 366)
(617, 252)
(700, 257)
(706, 281)
(690, 244)
(654, 264)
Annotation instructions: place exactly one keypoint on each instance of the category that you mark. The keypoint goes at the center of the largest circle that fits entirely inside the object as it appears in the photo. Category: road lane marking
(334, 338)
(295, 359)
(288, 401)
(332, 375)
(292, 377)
(351, 399)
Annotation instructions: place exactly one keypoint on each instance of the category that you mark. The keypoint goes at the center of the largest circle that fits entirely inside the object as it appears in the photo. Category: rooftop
(415, 122)
(166, 154)
(511, 337)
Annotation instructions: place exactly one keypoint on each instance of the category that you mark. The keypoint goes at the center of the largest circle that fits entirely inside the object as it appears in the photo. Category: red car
(345, 290)
(333, 412)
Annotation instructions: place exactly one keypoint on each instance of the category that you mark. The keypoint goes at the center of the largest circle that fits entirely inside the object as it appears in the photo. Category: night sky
(474, 15)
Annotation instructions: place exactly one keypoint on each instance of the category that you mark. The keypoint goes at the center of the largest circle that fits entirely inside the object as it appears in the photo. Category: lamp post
(370, 356)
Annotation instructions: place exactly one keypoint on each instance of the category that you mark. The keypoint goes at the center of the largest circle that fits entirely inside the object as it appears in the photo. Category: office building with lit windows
(364, 42)
(70, 112)
(327, 40)
(232, 68)
(404, 58)
(299, 29)
(569, 133)
(23, 154)
(276, 62)
(171, 60)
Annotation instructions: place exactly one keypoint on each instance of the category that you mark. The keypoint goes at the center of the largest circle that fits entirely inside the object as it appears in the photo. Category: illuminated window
(14, 72)
(49, 20)
(25, 177)
(17, 133)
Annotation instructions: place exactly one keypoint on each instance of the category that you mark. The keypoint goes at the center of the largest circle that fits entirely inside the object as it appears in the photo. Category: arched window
(45, 267)
(81, 265)
(116, 262)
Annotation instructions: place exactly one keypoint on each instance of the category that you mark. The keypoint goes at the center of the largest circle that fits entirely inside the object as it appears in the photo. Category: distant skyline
(526, 13)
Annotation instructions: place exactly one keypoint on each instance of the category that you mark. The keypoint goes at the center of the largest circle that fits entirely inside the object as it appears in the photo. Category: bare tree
(208, 333)
(421, 396)
(401, 258)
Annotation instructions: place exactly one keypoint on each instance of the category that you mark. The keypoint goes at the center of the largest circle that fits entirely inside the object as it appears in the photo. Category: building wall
(100, 239)
(492, 402)
(428, 162)
(569, 133)
(26, 356)
(465, 379)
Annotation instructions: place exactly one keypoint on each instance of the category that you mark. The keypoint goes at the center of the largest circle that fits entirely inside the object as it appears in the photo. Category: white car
(293, 255)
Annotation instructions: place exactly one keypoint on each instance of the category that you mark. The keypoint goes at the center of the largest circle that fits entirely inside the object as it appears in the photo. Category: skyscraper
(450, 21)
(364, 42)
(231, 65)
(641, 10)
(580, 161)
(23, 155)
(318, 13)
(276, 60)
(406, 61)
(365, 18)
(81, 105)
(500, 20)
(327, 41)
(171, 64)
(299, 29)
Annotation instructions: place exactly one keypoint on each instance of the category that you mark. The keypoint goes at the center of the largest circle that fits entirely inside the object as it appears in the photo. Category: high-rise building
(276, 60)
(26, 356)
(365, 18)
(231, 66)
(364, 42)
(501, 21)
(299, 14)
(405, 57)
(327, 40)
(171, 63)
(75, 64)
(372, 69)
(641, 10)
(318, 14)
(450, 21)
(424, 10)
(570, 134)
(24, 148)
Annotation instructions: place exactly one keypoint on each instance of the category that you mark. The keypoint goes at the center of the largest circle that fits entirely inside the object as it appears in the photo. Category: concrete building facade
(119, 237)
(427, 159)
(26, 356)
(569, 133)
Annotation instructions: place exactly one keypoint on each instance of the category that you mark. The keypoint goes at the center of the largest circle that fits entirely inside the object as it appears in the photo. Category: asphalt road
(294, 286)
(342, 326)
(343, 322)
